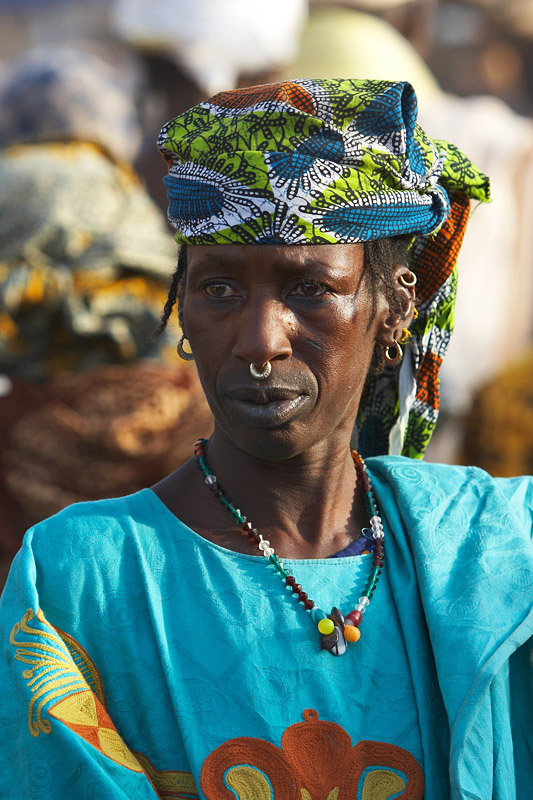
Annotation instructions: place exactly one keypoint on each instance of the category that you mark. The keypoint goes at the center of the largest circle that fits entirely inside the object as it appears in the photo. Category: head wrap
(64, 93)
(334, 161)
(84, 260)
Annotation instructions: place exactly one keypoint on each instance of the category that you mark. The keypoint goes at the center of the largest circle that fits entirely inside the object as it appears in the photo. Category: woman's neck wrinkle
(311, 502)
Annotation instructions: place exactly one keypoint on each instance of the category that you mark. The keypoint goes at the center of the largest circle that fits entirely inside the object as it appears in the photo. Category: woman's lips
(267, 408)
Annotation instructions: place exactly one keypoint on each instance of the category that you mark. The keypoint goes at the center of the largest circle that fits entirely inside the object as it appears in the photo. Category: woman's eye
(219, 290)
(310, 289)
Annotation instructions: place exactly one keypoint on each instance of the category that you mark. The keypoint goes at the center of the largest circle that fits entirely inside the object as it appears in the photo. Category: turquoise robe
(142, 661)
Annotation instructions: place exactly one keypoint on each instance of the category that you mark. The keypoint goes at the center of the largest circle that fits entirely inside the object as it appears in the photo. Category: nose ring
(262, 373)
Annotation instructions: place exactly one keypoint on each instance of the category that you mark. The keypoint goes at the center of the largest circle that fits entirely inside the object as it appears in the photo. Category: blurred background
(91, 403)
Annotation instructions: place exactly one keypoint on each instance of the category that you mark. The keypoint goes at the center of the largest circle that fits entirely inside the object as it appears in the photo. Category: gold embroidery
(333, 795)
(83, 713)
(52, 668)
(63, 669)
(380, 784)
(85, 665)
(113, 746)
(248, 783)
(172, 784)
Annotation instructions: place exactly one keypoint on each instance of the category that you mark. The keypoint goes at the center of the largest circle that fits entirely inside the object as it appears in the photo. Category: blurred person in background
(84, 260)
(188, 50)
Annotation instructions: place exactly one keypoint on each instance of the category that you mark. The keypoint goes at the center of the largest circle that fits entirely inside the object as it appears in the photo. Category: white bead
(268, 551)
(375, 521)
(361, 608)
(379, 534)
(364, 601)
(210, 479)
(264, 544)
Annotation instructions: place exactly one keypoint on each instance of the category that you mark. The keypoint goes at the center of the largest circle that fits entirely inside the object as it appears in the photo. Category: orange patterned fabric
(287, 92)
(316, 761)
(435, 262)
(427, 390)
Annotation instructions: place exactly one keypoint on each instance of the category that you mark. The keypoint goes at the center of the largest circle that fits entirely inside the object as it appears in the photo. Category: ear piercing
(261, 373)
(396, 354)
(408, 280)
(183, 353)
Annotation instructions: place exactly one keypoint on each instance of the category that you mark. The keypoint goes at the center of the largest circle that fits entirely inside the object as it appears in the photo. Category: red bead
(353, 618)
(247, 527)
(308, 604)
(296, 589)
(302, 597)
(290, 581)
(218, 494)
(377, 562)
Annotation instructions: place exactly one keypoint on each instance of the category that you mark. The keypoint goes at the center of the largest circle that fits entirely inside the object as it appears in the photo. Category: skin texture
(280, 448)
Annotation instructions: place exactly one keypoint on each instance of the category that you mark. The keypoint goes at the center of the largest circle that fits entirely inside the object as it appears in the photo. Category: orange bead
(351, 633)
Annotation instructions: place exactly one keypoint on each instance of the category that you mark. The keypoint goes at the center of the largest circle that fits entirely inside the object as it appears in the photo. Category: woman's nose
(264, 332)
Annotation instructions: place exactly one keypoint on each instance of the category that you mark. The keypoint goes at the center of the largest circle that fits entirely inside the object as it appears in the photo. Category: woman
(172, 655)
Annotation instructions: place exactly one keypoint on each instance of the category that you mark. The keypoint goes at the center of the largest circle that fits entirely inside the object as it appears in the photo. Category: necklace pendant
(334, 641)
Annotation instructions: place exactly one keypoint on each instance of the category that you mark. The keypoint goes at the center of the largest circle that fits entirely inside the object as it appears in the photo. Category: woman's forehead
(344, 257)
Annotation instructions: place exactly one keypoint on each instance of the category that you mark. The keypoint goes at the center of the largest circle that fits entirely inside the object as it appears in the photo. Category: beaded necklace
(335, 629)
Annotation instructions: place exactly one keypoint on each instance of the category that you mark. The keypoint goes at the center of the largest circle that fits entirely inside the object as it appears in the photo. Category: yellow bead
(351, 633)
(326, 626)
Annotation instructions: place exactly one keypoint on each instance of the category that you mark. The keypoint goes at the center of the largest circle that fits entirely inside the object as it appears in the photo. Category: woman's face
(306, 309)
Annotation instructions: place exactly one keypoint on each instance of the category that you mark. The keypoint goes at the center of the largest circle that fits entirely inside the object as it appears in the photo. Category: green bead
(326, 626)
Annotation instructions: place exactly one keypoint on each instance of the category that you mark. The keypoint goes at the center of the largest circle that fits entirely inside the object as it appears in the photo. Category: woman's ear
(401, 308)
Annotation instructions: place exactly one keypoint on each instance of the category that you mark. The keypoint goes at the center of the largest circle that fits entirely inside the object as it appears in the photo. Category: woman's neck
(307, 506)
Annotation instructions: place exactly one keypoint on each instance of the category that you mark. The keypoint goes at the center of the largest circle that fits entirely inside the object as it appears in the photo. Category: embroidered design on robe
(62, 670)
(316, 761)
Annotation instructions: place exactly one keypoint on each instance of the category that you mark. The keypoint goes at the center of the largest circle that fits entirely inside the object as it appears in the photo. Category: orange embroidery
(316, 761)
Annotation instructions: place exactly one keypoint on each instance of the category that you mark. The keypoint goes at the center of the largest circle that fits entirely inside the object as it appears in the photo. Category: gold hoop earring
(398, 353)
(183, 353)
(262, 373)
(408, 283)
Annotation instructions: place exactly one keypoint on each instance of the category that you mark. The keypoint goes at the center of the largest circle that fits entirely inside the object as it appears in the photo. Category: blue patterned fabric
(162, 665)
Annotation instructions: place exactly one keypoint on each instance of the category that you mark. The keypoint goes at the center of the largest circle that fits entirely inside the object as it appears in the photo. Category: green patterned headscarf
(334, 161)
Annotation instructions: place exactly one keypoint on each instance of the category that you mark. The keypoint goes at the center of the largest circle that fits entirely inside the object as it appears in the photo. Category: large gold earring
(408, 281)
(396, 355)
(183, 353)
